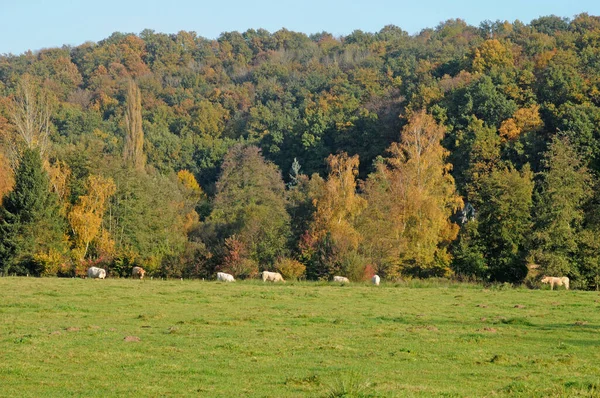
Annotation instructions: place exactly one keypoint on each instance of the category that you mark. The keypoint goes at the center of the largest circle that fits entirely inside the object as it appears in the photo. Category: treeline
(460, 151)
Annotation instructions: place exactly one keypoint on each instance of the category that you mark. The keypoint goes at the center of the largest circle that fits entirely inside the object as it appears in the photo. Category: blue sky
(35, 24)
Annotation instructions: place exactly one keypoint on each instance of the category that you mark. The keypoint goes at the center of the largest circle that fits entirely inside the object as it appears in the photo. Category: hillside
(151, 157)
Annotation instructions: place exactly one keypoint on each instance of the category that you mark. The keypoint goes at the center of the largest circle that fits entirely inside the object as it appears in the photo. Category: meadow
(122, 337)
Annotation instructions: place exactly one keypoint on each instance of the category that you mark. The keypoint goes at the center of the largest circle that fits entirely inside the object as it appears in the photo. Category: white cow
(341, 279)
(223, 277)
(375, 280)
(552, 280)
(272, 276)
(96, 273)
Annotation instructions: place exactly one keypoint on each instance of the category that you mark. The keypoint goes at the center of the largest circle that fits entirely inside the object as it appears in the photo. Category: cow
(223, 277)
(341, 279)
(138, 273)
(375, 280)
(271, 276)
(552, 280)
(96, 273)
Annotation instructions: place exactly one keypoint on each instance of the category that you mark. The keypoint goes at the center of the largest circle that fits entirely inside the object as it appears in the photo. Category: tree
(30, 220)
(504, 222)
(133, 151)
(30, 112)
(249, 219)
(411, 197)
(86, 216)
(331, 242)
(564, 190)
(6, 176)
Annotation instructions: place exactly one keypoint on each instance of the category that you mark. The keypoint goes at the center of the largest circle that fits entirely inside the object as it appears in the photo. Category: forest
(467, 152)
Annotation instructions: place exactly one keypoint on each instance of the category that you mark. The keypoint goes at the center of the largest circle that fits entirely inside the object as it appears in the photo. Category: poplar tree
(133, 151)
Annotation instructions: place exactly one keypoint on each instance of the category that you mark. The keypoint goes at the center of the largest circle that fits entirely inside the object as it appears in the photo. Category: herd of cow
(266, 276)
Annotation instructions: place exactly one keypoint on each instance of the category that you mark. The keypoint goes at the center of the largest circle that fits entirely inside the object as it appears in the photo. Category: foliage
(564, 190)
(290, 268)
(249, 210)
(176, 106)
(30, 221)
(411, 197)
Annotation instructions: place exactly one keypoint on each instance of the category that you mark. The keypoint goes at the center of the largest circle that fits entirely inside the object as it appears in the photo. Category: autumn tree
(332, 229)
(85, 217)
(6, 176)
(411, 197)
(133, 151)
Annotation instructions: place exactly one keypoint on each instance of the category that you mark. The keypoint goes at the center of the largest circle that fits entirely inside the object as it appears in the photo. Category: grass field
(68, 337)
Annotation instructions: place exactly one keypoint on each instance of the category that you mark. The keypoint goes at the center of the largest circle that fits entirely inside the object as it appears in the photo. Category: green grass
(66, 337)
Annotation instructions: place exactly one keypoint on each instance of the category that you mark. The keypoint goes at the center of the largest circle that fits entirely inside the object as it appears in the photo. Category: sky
(36, 24)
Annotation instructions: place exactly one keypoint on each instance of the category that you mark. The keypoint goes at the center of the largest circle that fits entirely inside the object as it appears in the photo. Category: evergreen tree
(30, 220)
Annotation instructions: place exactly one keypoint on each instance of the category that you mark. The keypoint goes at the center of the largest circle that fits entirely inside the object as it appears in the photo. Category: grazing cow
(223, 277)
(341, 279)
(96, 273)
(375, 280)
(272, 277)
(138, 273)
(552, 280)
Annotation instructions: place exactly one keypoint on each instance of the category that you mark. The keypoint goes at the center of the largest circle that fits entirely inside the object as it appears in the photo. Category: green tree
(564, 190)
(503, 206)
(133, 151)
(30, 220)
(249, 211)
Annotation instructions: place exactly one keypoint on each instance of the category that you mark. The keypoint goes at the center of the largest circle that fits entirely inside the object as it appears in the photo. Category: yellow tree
(192, 194)
(6, 176)
(336, 206)
(85, 217)
(410, 198)
(59, 174)
(524, 120)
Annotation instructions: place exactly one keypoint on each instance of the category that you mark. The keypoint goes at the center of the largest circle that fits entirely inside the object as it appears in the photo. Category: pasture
(99, 338)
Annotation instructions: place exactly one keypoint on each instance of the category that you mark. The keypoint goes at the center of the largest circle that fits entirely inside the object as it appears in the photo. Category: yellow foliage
(188, 180)
(6, 176)
(59, 174)
(191, 220)
(524, 120)
(492, 53)
(50, 263)
(290, 268)
(85, 217)
(105, 245)
(338, 204)
(411, 198)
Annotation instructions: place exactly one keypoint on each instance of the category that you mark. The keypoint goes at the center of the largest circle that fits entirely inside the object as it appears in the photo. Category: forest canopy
(461, 151)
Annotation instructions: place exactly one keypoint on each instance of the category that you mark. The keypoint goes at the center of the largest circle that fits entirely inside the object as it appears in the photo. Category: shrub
(290, 268)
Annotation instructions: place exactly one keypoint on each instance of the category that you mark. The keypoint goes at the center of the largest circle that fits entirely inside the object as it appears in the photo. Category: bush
(244, 268)
(290, 268)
